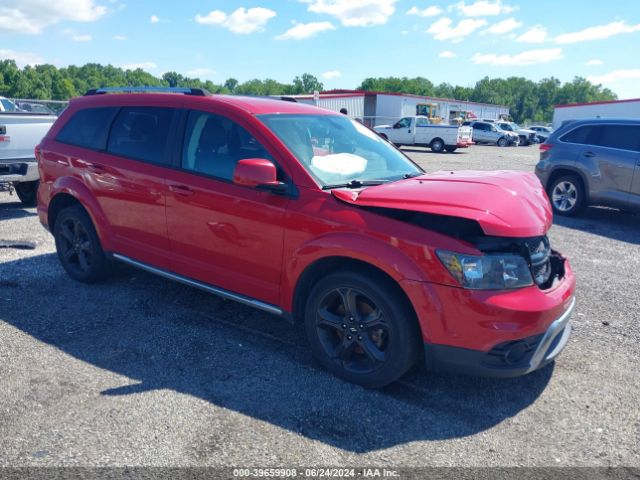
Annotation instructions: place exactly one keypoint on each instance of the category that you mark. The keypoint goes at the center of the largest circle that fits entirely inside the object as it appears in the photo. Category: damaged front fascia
(470, 231)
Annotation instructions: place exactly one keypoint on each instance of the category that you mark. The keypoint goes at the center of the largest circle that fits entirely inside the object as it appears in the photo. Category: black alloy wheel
(78, 246)
(360, 330)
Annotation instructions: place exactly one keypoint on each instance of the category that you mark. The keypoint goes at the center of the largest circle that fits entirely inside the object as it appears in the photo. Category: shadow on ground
(162, 335)
(607, 222)
(9, 211)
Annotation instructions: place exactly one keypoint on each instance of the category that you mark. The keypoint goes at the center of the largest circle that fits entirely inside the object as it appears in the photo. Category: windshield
(8, 106)
(338, 150)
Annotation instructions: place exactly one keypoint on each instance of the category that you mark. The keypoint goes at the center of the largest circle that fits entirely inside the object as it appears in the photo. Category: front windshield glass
(338, 150)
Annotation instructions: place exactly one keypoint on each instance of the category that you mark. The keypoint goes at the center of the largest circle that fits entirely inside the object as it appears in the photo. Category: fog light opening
(515, 353)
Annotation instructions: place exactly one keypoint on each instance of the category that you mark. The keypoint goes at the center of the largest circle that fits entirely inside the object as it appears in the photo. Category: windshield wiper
(355, 184)
(412, 175)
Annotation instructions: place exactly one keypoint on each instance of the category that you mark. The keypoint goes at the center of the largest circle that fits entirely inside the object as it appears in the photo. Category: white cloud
(332, 74)
(443, 29)
(76, 37)
(530, 57)
(537, 34)
(447, 54)
(482, 8)
(201, 72)
(32, 16)
(354, 13)
(154, 19)
(505, 26)
(21, 58)
(81, 38)
(616, 76)
(594, 62)
(120, 37)
(432, 11)
(241, 21)
(305, 30)
(599, 32)
(142, 65)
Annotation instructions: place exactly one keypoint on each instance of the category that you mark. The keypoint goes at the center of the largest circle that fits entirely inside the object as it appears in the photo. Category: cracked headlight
(487, 272)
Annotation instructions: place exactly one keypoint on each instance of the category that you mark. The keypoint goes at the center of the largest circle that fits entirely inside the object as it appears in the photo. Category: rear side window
(88, 128)
(582, 135)
(141, 133)
(625, 137)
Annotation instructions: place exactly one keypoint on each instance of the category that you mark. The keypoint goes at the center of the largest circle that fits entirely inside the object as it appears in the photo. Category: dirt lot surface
(142, 371)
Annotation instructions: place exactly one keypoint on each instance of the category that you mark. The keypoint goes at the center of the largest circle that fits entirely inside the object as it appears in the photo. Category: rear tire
(361, 329)
(567, 195)
(27, 192)
(437, 145)
(78, 246)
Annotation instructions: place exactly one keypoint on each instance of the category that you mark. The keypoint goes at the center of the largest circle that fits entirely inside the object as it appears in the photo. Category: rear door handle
(181, 190)
(589, 154)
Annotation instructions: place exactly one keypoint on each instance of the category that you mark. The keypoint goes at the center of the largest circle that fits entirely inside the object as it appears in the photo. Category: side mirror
(396, 125)
(258, 173)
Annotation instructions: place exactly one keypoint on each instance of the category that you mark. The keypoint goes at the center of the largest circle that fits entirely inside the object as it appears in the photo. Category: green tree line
(527, 100)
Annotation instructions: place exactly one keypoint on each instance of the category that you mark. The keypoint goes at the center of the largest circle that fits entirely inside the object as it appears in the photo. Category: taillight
(545, 147)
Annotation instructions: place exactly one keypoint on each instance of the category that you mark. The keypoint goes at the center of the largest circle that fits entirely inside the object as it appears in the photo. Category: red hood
(504, 203)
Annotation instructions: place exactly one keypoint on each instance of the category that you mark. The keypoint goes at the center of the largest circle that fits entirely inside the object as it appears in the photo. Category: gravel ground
(142, 371)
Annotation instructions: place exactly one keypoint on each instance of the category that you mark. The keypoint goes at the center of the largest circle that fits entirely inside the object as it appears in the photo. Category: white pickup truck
(421, 132)
(20, 132)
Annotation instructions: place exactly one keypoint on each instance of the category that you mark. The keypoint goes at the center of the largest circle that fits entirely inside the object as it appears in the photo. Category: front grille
(539, 252)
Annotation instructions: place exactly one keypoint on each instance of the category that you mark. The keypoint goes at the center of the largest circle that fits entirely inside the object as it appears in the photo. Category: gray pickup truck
(20, 132)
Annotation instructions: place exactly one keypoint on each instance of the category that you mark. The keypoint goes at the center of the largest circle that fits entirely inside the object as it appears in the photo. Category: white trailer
(379, 108)
(612, 109)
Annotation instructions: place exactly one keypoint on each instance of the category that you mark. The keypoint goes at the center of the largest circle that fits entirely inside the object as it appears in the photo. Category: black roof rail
(197, 92)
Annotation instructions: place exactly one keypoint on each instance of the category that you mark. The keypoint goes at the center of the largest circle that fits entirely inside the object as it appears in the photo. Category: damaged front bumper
(508, 359)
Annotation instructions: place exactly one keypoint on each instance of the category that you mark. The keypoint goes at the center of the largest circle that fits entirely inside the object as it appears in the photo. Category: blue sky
(339, 41)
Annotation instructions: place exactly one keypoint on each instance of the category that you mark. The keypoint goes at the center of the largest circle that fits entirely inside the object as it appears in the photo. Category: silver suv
(592, 162)
(485, 132)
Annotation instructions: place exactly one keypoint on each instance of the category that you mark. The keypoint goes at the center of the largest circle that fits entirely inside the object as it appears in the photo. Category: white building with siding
(379, 108)
(612, 109)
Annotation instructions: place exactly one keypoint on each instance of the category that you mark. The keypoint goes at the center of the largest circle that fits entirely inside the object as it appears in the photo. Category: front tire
(361, 329)
(27, 192)
(502, 142)
(437, 145)
(567, 195)
(78, 246)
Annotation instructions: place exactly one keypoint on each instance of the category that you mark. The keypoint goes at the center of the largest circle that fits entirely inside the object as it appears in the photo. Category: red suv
(307, 214)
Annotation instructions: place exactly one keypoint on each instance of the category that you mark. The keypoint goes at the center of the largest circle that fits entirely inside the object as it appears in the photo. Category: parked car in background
(419, 131)
(34, 108)
(307, 214)
(527, 136)
(542, 132)
(20, 132)
(485, 132)
(7, 105)
(592, 162)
